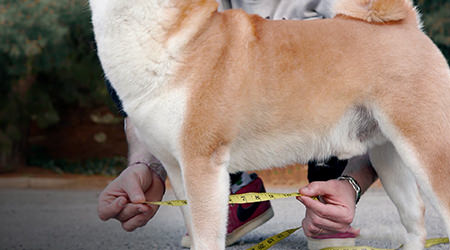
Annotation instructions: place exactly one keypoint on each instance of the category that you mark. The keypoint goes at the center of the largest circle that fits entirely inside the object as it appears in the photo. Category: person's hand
(336, 211)
(122, 198)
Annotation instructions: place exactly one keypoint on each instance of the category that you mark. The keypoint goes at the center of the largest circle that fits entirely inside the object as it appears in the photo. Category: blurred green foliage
(106, 166)
(436, 20)
(48, 62)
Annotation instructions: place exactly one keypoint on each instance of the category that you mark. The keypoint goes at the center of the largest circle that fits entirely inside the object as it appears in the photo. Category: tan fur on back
(375, 10)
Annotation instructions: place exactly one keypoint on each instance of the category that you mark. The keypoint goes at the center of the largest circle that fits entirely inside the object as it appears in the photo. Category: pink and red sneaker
(243, 218)
(331, 240)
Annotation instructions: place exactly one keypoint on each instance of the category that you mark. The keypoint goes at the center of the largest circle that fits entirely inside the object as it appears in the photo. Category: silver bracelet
(354, 184)
(155, 167)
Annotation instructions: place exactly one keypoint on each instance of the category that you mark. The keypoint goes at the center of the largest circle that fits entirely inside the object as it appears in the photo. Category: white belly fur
(255, 152)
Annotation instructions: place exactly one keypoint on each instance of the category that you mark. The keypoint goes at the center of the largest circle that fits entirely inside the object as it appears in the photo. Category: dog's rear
(415, 118)
(241, 93)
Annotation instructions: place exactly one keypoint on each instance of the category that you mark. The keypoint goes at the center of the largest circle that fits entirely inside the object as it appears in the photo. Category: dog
(216, 92)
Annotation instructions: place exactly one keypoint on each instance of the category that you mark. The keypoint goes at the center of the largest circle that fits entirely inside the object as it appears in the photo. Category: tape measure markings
(268, 243)
(233, 199)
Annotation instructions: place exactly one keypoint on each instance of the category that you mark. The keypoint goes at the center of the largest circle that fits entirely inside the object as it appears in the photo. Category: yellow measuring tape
(269, 242)
(266, 244)
(233, 199)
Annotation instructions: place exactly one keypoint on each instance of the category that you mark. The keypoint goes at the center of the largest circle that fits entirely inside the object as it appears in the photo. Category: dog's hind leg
(416, 120)
(207, 187)
(401, 186)
(428, 157)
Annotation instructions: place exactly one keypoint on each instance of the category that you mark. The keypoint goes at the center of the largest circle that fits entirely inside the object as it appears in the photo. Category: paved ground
(51, 219)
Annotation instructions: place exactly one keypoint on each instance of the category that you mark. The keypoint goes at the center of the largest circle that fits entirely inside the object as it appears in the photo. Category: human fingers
(156, 191)
(108, 209)
(332, 212)
(318, 188)
(312, 230)
(132, 210)
(329, 225)
(332, 192)
(132, 185)
(137, 221)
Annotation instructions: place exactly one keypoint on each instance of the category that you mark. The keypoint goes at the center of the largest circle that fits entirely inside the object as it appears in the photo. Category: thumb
(133, 188)
(314, 189)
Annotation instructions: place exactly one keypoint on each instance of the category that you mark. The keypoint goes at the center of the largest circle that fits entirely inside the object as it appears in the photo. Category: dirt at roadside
(39, 178)
(33, 177)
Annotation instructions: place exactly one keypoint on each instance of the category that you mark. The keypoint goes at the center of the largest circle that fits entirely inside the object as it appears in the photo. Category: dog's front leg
(207, 186)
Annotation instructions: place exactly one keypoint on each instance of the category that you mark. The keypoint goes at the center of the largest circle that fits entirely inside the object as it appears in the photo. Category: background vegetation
(436, 19)
(48, 66)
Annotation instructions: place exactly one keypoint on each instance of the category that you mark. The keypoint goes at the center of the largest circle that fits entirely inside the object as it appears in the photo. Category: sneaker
(243, 218)
(331, 240)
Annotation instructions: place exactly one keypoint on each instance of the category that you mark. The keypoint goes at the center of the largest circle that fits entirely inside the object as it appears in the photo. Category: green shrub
(106, 166)
(436, 19)
(47, 62)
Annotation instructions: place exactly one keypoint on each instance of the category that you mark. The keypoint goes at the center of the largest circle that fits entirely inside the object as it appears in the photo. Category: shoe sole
(317, 244)
(238, 233)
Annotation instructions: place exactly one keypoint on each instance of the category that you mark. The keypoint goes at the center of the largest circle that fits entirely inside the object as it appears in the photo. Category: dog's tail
(378, 11)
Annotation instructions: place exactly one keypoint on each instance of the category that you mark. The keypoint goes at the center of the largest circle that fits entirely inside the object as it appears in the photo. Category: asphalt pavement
(55, 219)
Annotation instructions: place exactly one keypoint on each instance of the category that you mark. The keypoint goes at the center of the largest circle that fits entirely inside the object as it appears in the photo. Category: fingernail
(138, 199)
(122, 202)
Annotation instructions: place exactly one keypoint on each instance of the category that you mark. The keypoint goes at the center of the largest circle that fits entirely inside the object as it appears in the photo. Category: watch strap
(354, 184)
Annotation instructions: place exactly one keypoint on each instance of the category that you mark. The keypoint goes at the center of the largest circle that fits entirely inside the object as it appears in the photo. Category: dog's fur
(212, 93)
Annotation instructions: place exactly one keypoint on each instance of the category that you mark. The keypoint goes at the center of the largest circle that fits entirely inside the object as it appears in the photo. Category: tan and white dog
(212, 93)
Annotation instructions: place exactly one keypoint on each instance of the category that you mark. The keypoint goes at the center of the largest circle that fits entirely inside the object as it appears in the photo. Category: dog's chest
(159, 122)
(133, 55)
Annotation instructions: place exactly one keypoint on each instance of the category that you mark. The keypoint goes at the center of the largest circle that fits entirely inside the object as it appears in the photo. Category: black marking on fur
(364, 124)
